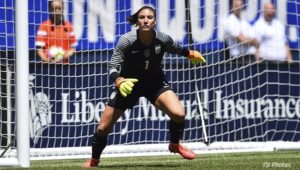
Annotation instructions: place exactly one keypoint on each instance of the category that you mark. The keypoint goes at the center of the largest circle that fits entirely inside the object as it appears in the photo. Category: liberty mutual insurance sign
(65, 105)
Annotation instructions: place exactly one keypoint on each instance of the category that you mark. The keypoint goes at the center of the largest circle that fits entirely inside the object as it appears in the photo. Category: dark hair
(50, 3)
(132, 19)
(51, 12)
(231, 5)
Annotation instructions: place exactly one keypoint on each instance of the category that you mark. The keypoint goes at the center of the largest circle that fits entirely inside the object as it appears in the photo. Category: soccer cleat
(183, 151)
(91, 163)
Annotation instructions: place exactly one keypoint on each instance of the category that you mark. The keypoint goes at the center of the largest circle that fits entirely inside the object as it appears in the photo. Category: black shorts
(151, 91)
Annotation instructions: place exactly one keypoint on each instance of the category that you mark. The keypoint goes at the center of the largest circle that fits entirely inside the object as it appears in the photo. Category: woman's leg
(107, 121)
(108, 118)
(169, 103)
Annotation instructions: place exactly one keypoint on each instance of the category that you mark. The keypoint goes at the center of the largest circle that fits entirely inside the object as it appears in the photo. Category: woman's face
(146, 20)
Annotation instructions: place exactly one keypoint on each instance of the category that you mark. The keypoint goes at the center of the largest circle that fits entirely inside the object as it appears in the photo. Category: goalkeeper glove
(196, 57)
(125, 85)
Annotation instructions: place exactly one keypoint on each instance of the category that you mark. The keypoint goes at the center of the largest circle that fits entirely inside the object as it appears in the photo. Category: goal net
(244, 105)
(7, 84)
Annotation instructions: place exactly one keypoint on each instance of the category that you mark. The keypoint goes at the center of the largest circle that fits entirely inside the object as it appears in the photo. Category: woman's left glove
(196, 57)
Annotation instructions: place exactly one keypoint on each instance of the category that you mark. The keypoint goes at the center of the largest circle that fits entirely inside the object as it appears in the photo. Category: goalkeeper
(135, 68)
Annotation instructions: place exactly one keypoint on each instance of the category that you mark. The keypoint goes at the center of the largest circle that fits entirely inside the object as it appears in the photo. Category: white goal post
(55, 108)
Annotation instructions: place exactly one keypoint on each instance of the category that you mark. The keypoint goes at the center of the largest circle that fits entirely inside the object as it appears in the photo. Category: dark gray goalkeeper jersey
(132, 59)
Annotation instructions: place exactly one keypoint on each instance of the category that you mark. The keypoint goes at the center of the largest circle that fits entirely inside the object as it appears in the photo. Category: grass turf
(254, 160)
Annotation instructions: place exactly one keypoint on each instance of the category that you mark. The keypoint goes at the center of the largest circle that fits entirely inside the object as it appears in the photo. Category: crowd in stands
(265, 40)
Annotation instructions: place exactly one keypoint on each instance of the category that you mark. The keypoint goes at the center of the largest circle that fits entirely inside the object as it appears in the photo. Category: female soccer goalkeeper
(135, 68)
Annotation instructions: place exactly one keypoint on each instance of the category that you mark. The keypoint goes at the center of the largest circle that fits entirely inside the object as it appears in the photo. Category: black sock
(98, 144)
(176, 131)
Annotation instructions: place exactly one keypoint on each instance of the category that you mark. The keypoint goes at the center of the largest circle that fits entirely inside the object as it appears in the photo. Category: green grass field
(253, 161)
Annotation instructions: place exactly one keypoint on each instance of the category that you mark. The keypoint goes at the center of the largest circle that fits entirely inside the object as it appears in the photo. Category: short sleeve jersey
(132, 59)
(49, 35)
(272, 39)
(233, 27)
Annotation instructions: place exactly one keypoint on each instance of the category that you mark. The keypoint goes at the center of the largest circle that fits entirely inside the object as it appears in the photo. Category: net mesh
(7, 75)
(242, 101)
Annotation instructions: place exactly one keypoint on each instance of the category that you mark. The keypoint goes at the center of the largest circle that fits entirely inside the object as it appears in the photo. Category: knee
(103, 131)
(178, 117)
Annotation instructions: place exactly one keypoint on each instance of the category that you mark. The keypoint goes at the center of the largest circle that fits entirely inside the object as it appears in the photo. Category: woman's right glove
(125, 85)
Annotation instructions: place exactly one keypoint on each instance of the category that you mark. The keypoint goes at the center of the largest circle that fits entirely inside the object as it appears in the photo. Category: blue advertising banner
(99, 23)
(257, 103)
